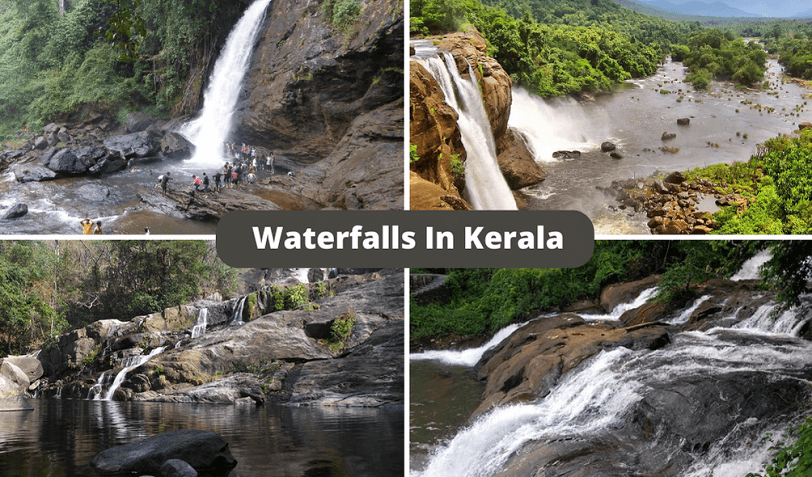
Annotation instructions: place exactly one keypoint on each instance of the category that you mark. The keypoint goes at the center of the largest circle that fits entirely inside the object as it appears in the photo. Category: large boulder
(137, 122)
(16, 211)
(66, 162)
(12, 396)
(34, 174)
(174, 145)
(517, 162)
(205, 451)
(28, 365)
(140, 144)
(15, 374)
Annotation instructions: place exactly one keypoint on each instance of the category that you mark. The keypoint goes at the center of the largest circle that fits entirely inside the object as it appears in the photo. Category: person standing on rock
(217, 178)
(98, 229)
(196, 183)
(164, 181)
(269, 162)
(87, 226)
(205, 183)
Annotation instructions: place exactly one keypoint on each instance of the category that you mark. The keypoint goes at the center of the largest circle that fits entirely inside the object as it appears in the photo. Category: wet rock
(804, 125)
(517, 162)
(564, 155)
(140, 144)
(613, 295)
(204, 451)
(175, 146)
(608, 146)
(16, 211)
(663, 187)
(615, 155)
(107, 165)
(137, 122)
(34, 174)
(93, 193)
(684, 121)
(63, 135)
(177, 468)
(41, 143)
(666, 136)
(675, 178)
(65, 162)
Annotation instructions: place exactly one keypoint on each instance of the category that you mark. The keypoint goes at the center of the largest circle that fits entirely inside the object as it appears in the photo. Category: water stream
(485, 187)
(214, 125)
(128, 365)
(592, 406)
(199, 329)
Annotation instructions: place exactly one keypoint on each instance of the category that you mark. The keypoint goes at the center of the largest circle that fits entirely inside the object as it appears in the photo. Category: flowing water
(61, 437)
(57, 207)
(199, 329)
(485, 187)
(634, 118)
(592, 403)
(214, 125)
(128, 365)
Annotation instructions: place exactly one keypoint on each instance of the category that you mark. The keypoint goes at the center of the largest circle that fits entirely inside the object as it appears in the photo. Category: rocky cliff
(251, 349)
(434, 131)
(329, 101)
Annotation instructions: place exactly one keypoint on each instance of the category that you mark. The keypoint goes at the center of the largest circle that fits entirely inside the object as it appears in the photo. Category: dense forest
(557, 48)
(122, 55)
(485, 300)
(47, 288)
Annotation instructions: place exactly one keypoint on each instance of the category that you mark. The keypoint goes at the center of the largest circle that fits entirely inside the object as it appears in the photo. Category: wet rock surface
(249, 353)
(204, 451)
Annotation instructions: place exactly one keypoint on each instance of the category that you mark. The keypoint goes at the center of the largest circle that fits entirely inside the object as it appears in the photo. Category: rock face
(205, 451)
(337, 99)
(434, 131)
(13, 384)
(16, 211)
(279, 355)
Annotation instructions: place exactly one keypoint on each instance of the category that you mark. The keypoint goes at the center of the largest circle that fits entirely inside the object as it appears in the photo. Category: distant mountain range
(715, 9)
(804, 14)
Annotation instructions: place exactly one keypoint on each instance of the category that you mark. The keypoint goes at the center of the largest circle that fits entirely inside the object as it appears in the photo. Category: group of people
(249, 155)
(88, 227)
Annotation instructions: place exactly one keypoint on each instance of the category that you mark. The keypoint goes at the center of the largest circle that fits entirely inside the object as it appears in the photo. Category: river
(61, 437)
(634, 118)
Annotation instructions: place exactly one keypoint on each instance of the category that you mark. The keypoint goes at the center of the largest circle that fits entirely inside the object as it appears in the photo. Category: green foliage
(340, 331)
(342, 14)
(322, 290)
(413, 157)
(457, 166)
(793, 460)
(714, 54)
(778, 185)
(290, 298)
(553, 49)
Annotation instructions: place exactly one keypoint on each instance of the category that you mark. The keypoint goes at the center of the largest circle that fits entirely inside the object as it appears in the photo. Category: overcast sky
(776, 8)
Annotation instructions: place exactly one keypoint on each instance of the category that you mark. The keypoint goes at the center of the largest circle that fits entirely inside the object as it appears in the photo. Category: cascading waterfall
(95, 391)
(621, 308)
(212, 128)
(236, 318)
(752, 266)
(128, 365)
(485, 187)
(200, 324)
(686, 314)
(468, 357)
(592, 400)
(556, 125)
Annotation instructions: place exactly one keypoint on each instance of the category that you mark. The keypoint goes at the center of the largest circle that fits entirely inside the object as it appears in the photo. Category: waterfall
(301, 274)
(621, 308)
(686, 314)
(556, 125)
(236, 318)
(212, 128)
(95, 391)
(750, 268)
(200, 324)
(468, 357)
(129, 364)
(485, 187)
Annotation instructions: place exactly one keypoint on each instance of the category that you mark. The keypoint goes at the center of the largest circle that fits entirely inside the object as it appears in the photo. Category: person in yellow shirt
(87, 226)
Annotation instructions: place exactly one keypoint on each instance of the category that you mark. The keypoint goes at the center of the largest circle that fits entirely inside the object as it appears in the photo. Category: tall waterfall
(485, 187)
(209, 131)
(129, 364)
(591, 402)
(750, 268)
(236, 318)
(200, 324)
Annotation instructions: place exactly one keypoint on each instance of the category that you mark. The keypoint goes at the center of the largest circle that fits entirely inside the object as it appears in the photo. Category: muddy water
(442, 398)
(634, 118)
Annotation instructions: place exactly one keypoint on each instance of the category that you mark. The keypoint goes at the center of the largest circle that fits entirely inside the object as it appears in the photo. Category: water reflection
(60, 437)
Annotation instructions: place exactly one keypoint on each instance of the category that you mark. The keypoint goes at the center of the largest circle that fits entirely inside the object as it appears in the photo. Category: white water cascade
(95, 391)
(468, 357)
(591, 401)
(236, 318)
(212, 128)
(556, 125)
(621, 308)
(485, 187)
(752, 266)
(129, 364)
(200, 323)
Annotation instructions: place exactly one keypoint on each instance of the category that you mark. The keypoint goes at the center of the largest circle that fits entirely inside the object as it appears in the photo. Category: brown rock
(516, 162)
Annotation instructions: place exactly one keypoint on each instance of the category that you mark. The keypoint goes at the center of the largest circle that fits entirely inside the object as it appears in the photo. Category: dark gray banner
(405, 239)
